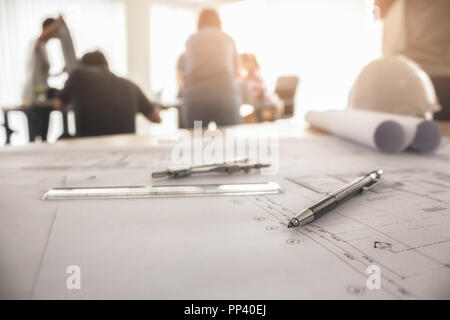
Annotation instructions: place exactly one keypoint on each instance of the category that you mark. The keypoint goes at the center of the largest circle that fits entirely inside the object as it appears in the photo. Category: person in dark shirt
(104, 103)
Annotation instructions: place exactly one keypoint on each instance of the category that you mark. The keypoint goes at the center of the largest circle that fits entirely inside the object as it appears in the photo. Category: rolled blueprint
(387, 132)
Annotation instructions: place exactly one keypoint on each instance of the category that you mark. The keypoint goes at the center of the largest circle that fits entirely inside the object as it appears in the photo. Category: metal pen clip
(373, 184)
(375, 176)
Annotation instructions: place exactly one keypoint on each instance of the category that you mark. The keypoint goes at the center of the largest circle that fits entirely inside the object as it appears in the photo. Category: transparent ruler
(162, 191)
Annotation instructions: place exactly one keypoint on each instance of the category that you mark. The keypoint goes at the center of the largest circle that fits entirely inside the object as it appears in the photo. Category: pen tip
(294, 222)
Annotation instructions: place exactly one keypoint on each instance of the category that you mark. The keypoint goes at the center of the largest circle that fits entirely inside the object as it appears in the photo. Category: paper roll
(387, 132)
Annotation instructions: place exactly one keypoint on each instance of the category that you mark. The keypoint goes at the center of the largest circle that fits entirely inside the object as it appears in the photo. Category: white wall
(138, 42)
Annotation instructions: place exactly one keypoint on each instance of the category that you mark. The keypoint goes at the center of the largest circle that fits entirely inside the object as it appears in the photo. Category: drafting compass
(229, 167)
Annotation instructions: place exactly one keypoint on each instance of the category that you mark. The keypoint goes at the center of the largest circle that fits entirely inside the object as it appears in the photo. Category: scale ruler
(154, 191)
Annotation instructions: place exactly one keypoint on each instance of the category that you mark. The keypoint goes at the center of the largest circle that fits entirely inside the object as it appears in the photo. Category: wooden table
(38, 118)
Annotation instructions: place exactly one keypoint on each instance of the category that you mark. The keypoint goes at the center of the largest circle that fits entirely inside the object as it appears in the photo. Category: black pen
(333, 199)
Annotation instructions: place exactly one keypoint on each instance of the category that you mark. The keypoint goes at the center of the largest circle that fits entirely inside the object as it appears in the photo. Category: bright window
(324, 42)
(170, 27)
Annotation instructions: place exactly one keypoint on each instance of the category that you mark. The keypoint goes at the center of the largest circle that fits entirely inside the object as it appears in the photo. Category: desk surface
(291, 130)
(30, 227)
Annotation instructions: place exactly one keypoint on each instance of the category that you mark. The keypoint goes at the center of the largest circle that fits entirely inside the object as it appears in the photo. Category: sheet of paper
(239, 247)
(26, 221)
(384, 131)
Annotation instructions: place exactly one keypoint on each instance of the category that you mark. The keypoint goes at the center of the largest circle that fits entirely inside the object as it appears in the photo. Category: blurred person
(104, 103)
(425, 38)
(207, 75)
(267, 105)
(254, 87)
(180, 74)
(36, 86)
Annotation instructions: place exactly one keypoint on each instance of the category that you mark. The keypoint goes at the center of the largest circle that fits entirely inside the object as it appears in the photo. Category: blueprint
(239, 247)
(386, 131)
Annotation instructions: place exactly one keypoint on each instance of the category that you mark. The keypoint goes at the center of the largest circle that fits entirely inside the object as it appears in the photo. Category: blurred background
(325, 43)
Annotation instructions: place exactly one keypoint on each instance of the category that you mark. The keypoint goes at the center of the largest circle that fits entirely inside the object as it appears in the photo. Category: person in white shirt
(38, 63)
(425, 38)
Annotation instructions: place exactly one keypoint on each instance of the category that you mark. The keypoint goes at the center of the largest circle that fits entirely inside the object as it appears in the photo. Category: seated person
(254, 89)
(207, 75)
(103, 102)
(267, 105)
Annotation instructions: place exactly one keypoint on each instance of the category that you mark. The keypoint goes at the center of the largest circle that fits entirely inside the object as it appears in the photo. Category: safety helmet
(394, 84)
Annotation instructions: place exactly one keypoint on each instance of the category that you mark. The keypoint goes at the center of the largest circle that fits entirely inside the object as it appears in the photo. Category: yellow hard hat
(394, 84)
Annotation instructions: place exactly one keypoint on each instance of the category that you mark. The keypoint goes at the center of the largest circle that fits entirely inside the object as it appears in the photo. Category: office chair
(286, 89)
